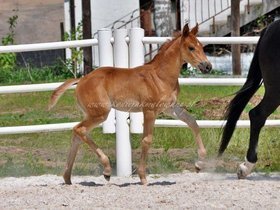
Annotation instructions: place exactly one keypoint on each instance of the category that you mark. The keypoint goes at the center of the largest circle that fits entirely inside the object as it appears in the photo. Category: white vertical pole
(123, 146)
(67, 16)
(67, 25)
(78, 12)
(184, 12)
(78, 19)
(136, 58)
(95, 58)
(105, 50)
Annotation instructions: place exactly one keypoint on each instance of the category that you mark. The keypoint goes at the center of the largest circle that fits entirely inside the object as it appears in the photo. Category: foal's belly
(132, 105)
(127, 105)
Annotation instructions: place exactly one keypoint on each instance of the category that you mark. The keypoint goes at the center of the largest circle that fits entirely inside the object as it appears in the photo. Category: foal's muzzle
(205, 67)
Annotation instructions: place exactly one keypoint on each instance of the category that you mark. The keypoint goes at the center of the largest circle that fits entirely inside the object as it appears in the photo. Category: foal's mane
(168, 43)
(164, 47)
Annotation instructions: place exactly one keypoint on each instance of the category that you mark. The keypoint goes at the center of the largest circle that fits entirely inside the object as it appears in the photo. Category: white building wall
(197, 11)
(105, 12)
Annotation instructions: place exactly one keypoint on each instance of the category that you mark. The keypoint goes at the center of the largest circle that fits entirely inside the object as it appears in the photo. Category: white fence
(114, 50)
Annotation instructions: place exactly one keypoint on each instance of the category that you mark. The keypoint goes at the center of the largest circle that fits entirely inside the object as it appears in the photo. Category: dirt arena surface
(175, 191)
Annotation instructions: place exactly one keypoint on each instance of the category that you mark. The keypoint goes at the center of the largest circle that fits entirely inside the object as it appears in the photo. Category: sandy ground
(176, 191)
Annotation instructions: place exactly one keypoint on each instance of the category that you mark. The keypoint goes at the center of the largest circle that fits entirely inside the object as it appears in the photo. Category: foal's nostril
(208, 66)
(205, 67)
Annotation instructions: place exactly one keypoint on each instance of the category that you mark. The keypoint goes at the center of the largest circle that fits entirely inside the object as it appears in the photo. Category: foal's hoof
(67, 180)
(199, 165)
(144, 182)
(107, 177)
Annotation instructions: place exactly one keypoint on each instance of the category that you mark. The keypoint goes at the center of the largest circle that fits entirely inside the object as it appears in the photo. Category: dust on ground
(175, 191)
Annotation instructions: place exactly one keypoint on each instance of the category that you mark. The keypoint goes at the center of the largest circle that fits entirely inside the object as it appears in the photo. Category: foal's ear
(186, 30)
(194, 31)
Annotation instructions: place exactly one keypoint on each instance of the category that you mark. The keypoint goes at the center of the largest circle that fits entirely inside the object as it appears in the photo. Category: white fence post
(136, 58)
(106, 59)
(78, 12)
(123, 146)
(67, 25)
(78, 19)
(95, 54)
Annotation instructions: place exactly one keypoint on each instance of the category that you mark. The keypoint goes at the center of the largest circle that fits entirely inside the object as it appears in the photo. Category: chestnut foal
(151, 88)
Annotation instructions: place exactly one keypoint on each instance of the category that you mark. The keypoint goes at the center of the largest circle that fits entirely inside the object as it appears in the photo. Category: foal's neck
(170, 63)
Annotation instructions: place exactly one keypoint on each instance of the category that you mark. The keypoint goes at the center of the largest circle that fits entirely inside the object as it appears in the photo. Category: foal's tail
(242, 97)
(60, 90)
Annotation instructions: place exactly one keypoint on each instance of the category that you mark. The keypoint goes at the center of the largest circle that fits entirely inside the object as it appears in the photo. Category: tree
(87, 35)
(235, 31)
(86, 29)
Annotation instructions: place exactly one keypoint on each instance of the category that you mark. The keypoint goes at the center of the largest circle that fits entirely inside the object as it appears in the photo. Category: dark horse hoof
(107, 177)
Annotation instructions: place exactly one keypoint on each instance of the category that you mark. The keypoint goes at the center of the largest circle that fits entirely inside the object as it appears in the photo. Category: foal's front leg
(149, 121)
(180, 113)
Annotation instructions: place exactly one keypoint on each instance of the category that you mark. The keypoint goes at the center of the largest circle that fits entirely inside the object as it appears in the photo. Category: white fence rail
(208, 40)
(48, 46)
(105, 43)
(182, 81)
(158, 123)
(146, 40)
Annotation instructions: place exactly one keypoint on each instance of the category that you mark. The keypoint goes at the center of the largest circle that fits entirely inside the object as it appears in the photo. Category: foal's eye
(191, 48)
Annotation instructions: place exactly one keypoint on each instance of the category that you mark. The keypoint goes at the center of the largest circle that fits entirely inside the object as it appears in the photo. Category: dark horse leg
(258, 116)
(268, 59)
(264, 69)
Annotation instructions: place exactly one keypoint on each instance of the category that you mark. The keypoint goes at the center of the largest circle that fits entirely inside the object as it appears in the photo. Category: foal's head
(192, 50)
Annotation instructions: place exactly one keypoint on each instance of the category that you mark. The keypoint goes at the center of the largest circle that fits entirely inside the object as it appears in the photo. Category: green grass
(40, 153)
(17, 75)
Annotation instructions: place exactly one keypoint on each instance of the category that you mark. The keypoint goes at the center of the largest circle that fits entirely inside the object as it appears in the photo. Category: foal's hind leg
(182, 114)
(81, 131)
(71, 158)
(258, 116)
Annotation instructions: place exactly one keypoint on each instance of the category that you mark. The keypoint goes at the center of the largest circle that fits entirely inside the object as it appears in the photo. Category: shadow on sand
(93, 184)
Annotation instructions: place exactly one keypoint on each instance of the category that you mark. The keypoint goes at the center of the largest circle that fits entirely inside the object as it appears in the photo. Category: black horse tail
(242, 97)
